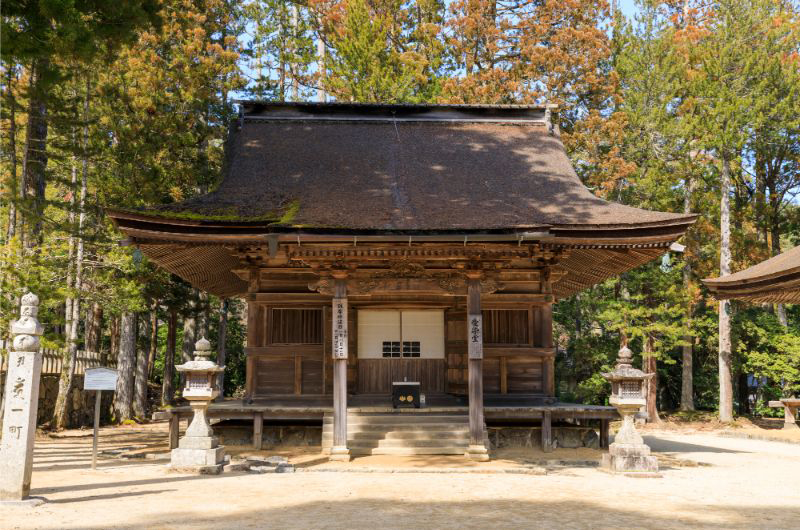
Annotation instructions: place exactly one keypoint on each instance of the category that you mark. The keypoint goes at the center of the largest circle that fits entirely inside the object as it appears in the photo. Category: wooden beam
(258, 429)
(174, 430)
(546, 335)
(604, 434)
(547, 432)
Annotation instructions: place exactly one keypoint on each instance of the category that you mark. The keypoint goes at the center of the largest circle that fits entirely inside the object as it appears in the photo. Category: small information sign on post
(98, 379)
(340, 328)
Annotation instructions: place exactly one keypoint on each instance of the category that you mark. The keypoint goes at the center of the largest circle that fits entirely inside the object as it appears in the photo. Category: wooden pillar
(339, 451)
(477, 448)
(546, 335)
(604, 434)
(174, 429)
(258, 430)
(789, 417)
(547, 431)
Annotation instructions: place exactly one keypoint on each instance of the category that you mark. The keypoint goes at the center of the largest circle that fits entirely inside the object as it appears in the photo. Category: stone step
(404, 421)
(408, 443)
(404, 435)
(401, 442)
(408, 451)
(406, 427)
(394, 419)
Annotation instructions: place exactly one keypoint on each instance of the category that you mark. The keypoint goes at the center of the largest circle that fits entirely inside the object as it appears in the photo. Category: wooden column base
(547, 432)
(477, 453)
(604, 434)
(174, 429)
(339, 454)
(258, 429)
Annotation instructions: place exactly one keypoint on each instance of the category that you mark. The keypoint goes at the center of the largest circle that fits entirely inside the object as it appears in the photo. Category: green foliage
(768, 350)
(388, 51)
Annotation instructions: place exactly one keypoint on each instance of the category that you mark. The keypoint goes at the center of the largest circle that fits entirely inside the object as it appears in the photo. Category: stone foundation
(629, 458)
(293, 435)
(565, 437)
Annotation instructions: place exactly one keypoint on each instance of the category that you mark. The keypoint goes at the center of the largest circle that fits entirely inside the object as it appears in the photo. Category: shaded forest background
(686, 106)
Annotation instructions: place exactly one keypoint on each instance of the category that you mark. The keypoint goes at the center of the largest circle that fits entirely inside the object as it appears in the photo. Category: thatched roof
(776, 280)
(350, 169)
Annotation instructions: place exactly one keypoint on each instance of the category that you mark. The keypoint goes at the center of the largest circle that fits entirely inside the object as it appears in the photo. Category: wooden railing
(52, 361)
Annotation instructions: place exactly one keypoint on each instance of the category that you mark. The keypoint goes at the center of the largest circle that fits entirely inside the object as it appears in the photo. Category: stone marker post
(21, 403)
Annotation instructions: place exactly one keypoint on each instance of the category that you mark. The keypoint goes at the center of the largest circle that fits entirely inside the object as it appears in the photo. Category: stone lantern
(199, 450)
(628, 453)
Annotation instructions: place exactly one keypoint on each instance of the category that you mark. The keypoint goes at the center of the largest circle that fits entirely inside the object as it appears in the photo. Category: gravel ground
(738, 483)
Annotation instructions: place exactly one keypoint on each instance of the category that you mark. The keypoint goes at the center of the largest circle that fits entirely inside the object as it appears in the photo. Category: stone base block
(629, 464)
(625, 450)
(190, 458)
(198, 442)
(339, 454)
(31, 502)
(477, 453)
(791, 425)
(197, 470)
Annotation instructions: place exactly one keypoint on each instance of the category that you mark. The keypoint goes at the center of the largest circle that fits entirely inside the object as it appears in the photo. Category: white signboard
(340, 328)
(100, 379)
(475, 345)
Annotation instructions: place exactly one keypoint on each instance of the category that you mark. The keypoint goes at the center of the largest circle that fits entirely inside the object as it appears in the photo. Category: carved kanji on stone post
(21, 403)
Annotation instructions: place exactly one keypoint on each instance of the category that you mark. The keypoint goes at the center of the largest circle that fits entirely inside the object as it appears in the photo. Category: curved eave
(776, 288)
(152, 227)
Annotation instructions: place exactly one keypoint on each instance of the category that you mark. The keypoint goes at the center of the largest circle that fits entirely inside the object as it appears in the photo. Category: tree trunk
(167, 389)
(113, 331)
(221, 351)
(34, 182)
(140, 381)
(189, 332)
(13, 185)
(687, 384)
(67, 378)
(725, 382)
(126, 361)
(95, 329)
(651, 367)
(151, 358)
(203, 311)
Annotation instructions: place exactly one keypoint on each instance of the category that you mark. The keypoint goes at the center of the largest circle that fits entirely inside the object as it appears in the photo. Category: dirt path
(744, 484)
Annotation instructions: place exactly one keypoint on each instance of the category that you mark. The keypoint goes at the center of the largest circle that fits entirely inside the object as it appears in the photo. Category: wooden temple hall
(391, 254)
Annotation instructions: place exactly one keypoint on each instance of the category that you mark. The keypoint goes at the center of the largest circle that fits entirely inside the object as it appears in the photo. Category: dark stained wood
(521, 351)
(604, 434)
(375, 376)
(505, 326)
(174, 430)
(525, 375)
(311, 380)
(491, 376)
(298, 375)
(504, 375)
(273, 376)
(296, 326)
(546, 335)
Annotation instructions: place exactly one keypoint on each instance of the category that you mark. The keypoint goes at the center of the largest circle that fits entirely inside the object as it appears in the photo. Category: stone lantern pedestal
(628, 453)
(199, 450)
